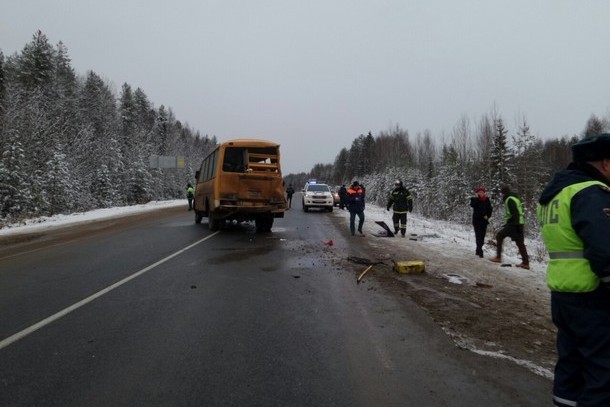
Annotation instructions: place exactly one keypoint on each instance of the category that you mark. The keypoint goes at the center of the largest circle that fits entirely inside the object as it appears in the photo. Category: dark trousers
(480, 229)
(190, 203)
(352, 221)
(290, 201)
(400, 222)
(516, 234)
(582, 372)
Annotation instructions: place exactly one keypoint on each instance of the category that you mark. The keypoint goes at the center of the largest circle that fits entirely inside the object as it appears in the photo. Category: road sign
(165, 161)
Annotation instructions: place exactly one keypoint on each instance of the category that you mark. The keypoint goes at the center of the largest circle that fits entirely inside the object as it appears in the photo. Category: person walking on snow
(513, 228)
(402, 202)
(481, 212)
(355, 205)
(574, 214)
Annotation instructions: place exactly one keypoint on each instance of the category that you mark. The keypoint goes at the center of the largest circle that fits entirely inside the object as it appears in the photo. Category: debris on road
(363, 273)
(386, 229)
(455, 278)
(362, 260)
(409, 267)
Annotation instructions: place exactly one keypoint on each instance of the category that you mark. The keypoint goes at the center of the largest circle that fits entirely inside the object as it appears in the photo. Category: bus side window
(213, 160)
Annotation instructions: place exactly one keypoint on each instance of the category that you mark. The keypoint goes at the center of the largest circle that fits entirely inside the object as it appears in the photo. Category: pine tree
(501, 157)
(338, 173)
(2, 96)
(15, 196)
(36, 68)
(530, 170)
(58, 190)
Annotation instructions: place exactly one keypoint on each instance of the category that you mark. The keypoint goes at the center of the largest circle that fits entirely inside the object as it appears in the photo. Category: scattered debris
(455, 278)
(409, 267)
(363, 273)
(329, 243)
(362, 260)
(506, 265)
(386, 229)
(483, 285)
(416, 237)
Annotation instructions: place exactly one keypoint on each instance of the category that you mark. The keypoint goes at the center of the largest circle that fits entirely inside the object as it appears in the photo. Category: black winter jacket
(480, 210)
(402, 200)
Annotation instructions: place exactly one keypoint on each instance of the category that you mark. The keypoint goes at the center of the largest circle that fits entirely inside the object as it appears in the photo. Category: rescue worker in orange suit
(574, 214)
(355, 206)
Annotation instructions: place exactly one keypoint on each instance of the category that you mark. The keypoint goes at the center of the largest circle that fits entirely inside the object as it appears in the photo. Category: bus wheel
(213, 222)
(264, 223)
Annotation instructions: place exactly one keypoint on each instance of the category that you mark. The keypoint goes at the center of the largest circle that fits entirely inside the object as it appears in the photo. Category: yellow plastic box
(410, 267)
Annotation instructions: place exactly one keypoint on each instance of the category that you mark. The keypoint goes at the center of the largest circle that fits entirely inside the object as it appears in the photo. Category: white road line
(22, 334)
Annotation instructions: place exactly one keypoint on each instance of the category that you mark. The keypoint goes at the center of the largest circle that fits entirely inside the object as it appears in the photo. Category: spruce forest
(69, 143)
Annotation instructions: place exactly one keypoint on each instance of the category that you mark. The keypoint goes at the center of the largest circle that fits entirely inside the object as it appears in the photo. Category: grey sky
(314, 74)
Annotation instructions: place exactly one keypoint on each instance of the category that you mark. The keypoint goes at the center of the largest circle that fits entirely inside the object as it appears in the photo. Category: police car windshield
(318, 187)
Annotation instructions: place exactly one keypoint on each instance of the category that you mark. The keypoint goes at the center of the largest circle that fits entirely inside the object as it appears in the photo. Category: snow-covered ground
(456, 240)
(51, 222)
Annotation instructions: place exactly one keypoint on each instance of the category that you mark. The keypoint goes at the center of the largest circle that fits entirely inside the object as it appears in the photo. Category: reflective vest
(519, 204)
(567, 270)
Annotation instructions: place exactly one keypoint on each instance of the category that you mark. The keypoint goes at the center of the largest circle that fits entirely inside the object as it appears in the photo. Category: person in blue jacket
(574, 215)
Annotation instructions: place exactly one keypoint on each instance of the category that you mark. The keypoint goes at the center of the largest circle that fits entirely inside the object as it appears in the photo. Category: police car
(317, 195)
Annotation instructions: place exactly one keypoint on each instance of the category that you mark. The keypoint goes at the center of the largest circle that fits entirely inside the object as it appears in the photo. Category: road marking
(33, 328)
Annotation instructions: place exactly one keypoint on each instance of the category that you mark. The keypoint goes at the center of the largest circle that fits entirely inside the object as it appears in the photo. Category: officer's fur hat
(592, 148)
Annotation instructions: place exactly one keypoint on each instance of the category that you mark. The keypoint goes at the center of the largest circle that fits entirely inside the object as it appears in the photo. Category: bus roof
(250, 142)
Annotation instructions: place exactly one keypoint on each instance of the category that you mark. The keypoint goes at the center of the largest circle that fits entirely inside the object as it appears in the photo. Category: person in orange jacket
(355, 205)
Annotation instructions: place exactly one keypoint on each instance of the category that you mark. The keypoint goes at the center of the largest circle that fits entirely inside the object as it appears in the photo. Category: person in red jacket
(355, 205)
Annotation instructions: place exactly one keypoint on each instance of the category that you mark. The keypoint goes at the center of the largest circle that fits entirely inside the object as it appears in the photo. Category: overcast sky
(314, 74)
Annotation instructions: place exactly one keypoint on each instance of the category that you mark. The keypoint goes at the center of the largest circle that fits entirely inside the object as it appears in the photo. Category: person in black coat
(481, 212)
(342, 197)
(289, 193)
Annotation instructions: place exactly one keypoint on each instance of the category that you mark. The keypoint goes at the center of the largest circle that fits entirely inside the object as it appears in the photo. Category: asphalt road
(154, 310)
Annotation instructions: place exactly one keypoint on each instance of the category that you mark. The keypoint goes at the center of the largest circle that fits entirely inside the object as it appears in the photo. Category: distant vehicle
(241, 180)
(316, 195)
(336, 198)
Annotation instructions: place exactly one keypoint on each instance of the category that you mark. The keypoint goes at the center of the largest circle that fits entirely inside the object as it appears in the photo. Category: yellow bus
(241, 180)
